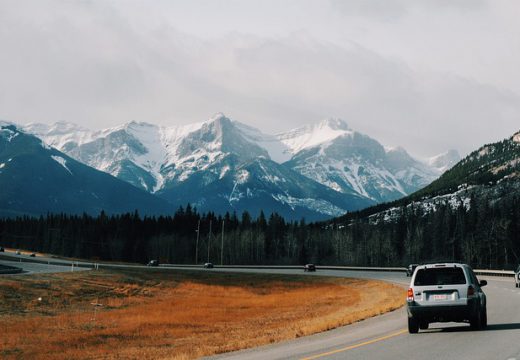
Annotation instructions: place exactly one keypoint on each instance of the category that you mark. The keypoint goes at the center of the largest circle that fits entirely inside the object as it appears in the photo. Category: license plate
(440, 297)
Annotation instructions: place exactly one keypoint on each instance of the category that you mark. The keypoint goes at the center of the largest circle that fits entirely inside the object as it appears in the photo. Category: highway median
(179, 314)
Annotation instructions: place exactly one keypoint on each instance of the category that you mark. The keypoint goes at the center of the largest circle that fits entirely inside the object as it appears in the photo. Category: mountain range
(317, 171)
(36, 179)
(488, 177)
(471, 214)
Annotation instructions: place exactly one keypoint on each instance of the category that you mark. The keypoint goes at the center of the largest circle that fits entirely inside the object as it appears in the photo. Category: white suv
(445, 292)
(517, 276)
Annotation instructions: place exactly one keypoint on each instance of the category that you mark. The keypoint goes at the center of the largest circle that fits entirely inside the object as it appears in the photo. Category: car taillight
(410, 295)
(471, 291)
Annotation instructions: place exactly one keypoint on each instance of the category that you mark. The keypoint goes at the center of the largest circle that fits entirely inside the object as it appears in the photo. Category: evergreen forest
(482, 235)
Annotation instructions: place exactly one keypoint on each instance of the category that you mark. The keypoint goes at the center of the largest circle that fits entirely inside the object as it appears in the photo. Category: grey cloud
(96, 67)
(393, 10)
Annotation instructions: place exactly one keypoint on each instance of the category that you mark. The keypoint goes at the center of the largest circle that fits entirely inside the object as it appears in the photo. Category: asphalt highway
(382, 337)
(25, 263)
(386, 336)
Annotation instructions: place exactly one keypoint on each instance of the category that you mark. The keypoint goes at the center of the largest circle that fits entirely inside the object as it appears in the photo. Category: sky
(428, 75)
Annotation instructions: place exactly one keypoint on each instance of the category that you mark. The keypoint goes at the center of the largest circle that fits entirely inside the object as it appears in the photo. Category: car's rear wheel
(484, 319)
(413, 325)
(476, 321)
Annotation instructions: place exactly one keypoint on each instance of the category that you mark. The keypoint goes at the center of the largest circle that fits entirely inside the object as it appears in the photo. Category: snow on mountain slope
(516, 138)
(259, 184)
(148, 155)
(135, 152)
(36, 179)
(278, 151)
(444, 161)
(412, 173)
(315, 134)
(211, 143)
(160, 158)
(488, 176)
(60, 135)
(349, 163)
(345, 160)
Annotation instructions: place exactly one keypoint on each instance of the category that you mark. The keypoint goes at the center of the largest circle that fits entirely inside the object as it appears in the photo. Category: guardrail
(96, 265)
(292, 267)
(483, 272)
(503, 273)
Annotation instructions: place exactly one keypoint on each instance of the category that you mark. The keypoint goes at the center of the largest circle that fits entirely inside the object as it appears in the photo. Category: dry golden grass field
(174, 315)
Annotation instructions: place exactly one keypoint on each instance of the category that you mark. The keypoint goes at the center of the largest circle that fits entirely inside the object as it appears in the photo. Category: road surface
(386, 336)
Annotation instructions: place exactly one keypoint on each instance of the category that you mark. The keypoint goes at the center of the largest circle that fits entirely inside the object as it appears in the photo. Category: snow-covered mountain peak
(315, 134)
(399, 157)
(334, 124)
(57, 128)
(61, 135)
(140, 125)
(220, 134)
(219, 116)
(444, 161)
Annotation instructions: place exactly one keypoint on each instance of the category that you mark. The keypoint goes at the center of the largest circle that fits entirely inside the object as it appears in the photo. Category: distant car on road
(153, 263)
(410, 269)
(18, 252)
(208, 265)
(309, 267)
(517, 276)
(2, 249)
(445, 292)
(33, 255)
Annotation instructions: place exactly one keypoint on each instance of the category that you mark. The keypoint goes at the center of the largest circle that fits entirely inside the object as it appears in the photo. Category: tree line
(482, 234)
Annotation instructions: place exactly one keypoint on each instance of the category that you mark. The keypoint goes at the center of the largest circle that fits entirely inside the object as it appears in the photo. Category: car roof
(441, 265)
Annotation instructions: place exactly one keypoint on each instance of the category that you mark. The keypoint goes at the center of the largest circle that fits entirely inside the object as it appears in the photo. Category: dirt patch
(174, 315)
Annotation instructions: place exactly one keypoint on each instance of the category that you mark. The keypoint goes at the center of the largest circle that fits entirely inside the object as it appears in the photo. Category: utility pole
(209, 238)
(197, 244)
(222, 246)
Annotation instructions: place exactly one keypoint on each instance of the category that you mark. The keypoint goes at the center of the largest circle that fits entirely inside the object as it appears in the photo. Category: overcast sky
(428, 75)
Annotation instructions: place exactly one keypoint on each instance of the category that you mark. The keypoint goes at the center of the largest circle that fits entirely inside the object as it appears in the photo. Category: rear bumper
(443, 313)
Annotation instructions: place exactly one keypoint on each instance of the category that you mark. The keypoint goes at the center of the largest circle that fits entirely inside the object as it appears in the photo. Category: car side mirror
(482, 283)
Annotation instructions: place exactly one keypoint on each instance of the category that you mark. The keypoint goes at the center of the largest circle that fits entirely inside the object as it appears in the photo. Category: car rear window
(440, 276)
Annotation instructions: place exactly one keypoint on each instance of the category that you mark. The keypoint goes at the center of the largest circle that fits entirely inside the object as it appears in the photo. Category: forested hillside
(487, 234)
(471, 214)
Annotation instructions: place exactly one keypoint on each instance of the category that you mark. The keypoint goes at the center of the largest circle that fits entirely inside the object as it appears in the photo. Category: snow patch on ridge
(277, 150)
(241, 177)
(454, 200)
(318, 205)
(62, 162)
(313, 135)
(8, 134)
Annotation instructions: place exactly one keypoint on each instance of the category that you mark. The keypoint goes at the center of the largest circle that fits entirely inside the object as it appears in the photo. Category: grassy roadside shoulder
(175, 315)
